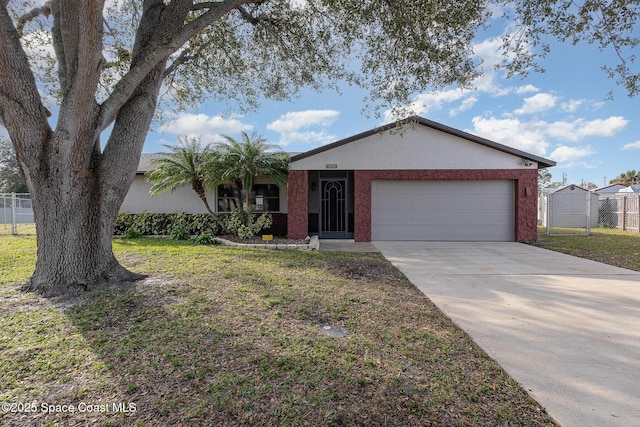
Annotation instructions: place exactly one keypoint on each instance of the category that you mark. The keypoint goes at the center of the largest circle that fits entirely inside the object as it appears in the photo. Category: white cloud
(632, 146)
(296, 120)
(537, 103)
(466, 105)
(489, 51)
(580, 129)
(513, 132)
(572, 105)
(570, 154)
(209, 128)
(599, 127)
(290, 126)
(306, 137)
(536, 136)
(430, 101)
(522, 90)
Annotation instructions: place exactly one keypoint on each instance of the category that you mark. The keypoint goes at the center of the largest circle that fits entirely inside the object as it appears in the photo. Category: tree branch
(184, 57)
(21, 108)
(33, 14)
(169, 43)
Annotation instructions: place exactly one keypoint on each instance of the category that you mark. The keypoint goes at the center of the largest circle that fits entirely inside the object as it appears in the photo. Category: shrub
(604, 225)
(236, 223)
(204, 239)
(132, 233)
(179, 233)
(164, 224)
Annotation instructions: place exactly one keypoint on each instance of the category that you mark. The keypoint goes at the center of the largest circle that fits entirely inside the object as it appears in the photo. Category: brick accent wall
(298, 204)
(526, 188)
(279, 226)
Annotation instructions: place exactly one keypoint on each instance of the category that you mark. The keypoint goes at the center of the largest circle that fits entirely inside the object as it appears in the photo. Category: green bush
(235, 221)
(132, 233)
(179, 233)
(236, 224)
(204, 239)
(165, 224)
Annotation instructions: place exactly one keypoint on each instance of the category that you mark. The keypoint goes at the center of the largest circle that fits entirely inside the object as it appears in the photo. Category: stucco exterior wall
(183, 199)
(526, 188)
(411, 147)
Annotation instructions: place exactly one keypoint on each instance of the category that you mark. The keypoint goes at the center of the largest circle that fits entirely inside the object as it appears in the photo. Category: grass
(225, 336)
(610, 246)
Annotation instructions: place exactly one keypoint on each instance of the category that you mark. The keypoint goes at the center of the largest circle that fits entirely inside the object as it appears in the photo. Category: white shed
(569, 207)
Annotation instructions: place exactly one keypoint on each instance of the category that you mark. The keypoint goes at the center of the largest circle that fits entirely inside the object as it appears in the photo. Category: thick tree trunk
(77, 188)
(74, 236)
(73, 229)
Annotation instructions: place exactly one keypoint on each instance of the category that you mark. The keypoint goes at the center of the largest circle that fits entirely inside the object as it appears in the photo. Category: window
(227, 198)
(265, 198)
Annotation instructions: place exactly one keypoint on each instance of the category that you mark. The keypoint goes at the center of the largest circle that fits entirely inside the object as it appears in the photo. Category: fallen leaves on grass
(229, 337)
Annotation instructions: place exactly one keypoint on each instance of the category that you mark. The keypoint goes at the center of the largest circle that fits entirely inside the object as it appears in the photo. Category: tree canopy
(604, 24)
(629, 177)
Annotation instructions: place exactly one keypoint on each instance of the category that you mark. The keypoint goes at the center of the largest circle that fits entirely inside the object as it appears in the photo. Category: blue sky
(562, 114)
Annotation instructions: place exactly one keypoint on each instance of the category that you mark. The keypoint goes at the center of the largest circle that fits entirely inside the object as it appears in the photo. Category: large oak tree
(107, 62)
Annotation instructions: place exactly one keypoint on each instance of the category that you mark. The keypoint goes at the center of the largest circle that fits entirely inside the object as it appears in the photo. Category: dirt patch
(373, 267)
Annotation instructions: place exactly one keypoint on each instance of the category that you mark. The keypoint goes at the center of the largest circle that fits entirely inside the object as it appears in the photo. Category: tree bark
(74, 254)
(77, 188)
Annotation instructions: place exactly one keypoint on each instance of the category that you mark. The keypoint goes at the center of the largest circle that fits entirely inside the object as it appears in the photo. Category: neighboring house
(419, 181)
(423, 181)
(630, 189)
(609, 189)
(567, 207)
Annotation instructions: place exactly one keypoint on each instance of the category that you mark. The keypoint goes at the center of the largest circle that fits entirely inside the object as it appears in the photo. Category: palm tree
(187, 164)
(629, 177)
(241, 162)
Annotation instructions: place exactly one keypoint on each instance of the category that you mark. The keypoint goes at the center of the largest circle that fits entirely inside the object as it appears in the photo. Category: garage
(414, 181)
(443, 210)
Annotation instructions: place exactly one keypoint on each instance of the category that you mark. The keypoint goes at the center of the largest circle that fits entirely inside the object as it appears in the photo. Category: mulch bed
(258, 240)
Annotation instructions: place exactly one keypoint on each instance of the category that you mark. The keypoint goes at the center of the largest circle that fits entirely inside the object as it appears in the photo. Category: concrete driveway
(567, 329)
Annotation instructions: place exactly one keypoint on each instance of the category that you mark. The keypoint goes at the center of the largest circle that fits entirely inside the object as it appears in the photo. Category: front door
(333, 208)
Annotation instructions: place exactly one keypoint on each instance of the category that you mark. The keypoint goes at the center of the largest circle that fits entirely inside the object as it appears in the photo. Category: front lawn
(610, 246)
(223, 336)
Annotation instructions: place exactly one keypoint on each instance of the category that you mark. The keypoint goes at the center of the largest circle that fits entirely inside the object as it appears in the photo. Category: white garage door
(443, 210)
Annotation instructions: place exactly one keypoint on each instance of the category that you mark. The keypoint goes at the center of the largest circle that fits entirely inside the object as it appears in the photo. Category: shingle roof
(145, 164)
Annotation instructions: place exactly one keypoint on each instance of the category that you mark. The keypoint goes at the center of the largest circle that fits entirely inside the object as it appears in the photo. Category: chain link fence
(619, 211)
(16, 214)
(570, 211)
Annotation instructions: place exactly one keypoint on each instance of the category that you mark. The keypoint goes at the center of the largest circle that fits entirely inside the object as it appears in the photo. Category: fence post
(14, 226)
(549, 212)
(588, 215)
(624, 213)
